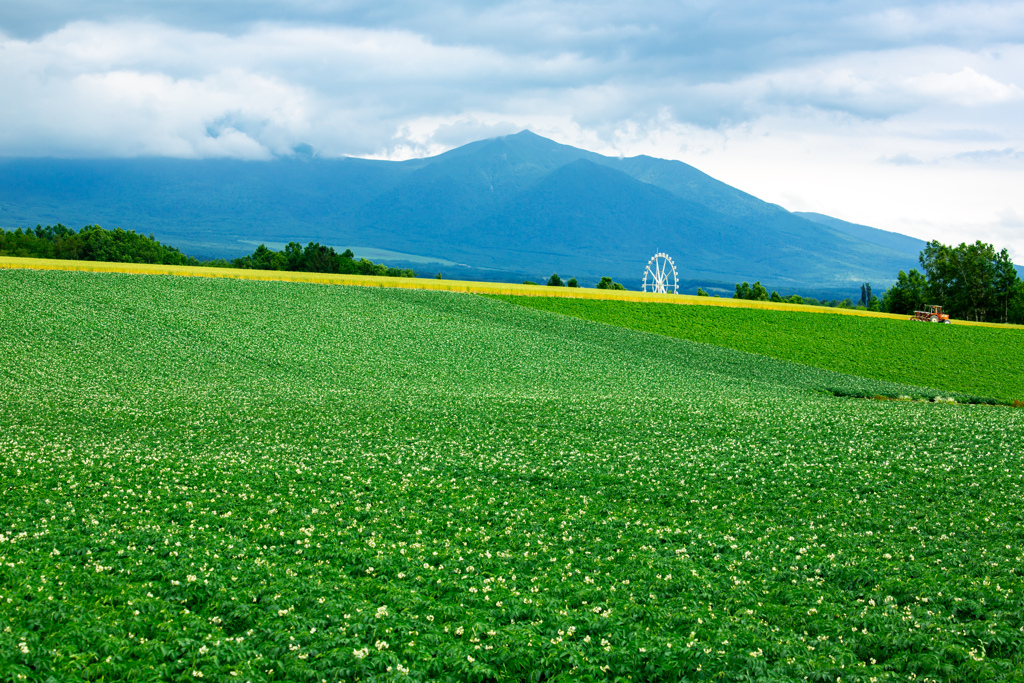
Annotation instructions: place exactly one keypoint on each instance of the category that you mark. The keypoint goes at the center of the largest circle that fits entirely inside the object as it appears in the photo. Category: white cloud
(908, 118)
(297, 84)
(964, 22)
(140, 88)
(966, 87)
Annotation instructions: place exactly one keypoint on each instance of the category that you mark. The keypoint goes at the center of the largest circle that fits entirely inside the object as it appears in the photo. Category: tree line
(315, 258)
(758, 292)
(94, 243)
(556, 281)
(970, 282)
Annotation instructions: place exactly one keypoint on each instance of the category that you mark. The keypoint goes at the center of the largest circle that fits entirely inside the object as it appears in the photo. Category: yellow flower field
(432, 284)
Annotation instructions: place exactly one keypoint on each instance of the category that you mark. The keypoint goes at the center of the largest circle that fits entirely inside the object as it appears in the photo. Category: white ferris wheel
(660, 275)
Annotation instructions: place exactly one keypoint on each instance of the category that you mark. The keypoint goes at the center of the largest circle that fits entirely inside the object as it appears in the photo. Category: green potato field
(266, 481)
(984, 362)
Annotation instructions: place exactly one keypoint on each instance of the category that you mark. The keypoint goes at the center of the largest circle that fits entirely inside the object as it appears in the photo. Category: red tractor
(934, 314)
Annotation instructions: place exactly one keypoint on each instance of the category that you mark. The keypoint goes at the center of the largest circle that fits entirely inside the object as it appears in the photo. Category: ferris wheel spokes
(659, 271)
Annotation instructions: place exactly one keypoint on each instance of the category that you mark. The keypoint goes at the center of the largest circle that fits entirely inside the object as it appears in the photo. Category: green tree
(962, 279)
(865, 295)
(399, 272)
(555, 281)
(92, 243)
(909, 294)
(701, 292)
(757, 292)
(1006, 284)
(293, 254)
(317, 258)
(972, 281)
(605, 283)
(572, 283)
(1015, 313)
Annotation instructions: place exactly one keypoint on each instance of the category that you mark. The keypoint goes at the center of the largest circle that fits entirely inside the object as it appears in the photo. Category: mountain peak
(526, 134)
(517, 203)
(527, 139)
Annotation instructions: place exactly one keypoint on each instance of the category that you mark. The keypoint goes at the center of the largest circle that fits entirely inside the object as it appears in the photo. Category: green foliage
(292, 482)
(980, 361)
(555, 281)
(1016, 303)
(701, 292)
(572, 282)
(865, 295)
(909, 294)
(757, 292)
(607, 283)
(316, 258)
(92, 243)
(971, 281)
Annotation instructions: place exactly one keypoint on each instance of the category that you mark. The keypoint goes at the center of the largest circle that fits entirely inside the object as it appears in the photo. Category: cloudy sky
(907, 117)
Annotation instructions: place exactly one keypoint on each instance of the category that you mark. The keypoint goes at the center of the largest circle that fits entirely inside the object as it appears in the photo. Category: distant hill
(883, 238)
(518, 206)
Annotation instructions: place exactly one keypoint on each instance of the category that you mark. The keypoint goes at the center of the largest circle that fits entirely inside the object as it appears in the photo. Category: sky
(906, 117)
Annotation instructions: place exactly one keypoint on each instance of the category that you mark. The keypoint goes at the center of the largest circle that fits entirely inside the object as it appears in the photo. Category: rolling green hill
(279, 481)
(984, 361)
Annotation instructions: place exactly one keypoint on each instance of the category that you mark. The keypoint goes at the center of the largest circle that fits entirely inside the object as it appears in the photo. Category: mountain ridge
(521, 205)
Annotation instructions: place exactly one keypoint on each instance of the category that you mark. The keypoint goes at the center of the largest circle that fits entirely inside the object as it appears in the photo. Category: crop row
(972, 360)
(273, 481)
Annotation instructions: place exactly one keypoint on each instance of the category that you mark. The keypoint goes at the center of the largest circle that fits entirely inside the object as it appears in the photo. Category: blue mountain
(506, 208)
(882, 238)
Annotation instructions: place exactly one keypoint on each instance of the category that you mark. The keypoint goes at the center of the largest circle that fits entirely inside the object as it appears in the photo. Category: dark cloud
(349, 75)
(886, 96)
(710, 40)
